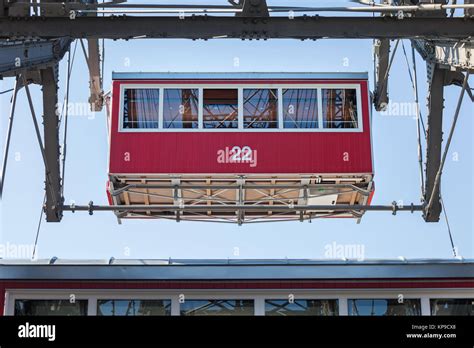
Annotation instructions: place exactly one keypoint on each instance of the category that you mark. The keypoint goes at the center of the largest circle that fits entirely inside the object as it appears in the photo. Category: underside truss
(253, 193)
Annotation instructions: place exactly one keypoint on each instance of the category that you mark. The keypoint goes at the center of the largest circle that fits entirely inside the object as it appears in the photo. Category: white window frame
(259, 296)
(240, 87)
(319, 107)
(161, 121)
(40, 294)
(201, 107)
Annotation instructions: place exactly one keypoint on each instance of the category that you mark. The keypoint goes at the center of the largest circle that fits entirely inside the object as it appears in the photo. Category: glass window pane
(379, 307)
(133, 307)
(301, 307)
(340, 108)
(260, 108)
(217, 307)
(50, 307)
(220, 108)
(448, 306)
(300, 108)
(180, 108)
(140, 108)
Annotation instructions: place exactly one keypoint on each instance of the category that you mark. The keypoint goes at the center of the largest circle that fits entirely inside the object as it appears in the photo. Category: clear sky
(100, 236)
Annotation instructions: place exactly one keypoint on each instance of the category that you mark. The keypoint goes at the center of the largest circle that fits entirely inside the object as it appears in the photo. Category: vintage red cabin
(240, 146)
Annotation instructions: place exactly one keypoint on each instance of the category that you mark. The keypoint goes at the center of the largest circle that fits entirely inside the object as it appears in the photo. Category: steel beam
(248, 208)
(15, 57)
(95, 81)
(208, 27)
(434, 140)
(254, 8)
(382, 53)
(92, 57)
(51, 144)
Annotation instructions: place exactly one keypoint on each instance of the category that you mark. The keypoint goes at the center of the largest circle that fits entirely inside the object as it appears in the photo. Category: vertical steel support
(382, 55)
(434, 139)
(95, 83)
(51, 144)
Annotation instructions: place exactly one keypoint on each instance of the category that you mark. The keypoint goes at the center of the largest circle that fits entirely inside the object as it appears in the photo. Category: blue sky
(99, 236)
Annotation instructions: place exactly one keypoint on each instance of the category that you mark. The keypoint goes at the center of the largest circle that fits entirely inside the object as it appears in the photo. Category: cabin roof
(239, 75)
(233, 269)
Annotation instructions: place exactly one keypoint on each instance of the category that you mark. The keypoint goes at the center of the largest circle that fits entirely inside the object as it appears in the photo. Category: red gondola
(240, 147)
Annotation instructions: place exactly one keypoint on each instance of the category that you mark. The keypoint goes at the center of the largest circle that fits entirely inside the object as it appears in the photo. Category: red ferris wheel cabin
(239, 147)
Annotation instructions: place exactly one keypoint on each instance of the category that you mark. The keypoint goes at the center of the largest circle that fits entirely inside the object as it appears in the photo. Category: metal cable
(69, 72)
(449, 227)
(38, 228)
(414, 83)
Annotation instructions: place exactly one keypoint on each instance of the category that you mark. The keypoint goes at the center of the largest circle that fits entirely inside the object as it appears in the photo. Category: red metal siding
(277, 152)
(2, 298)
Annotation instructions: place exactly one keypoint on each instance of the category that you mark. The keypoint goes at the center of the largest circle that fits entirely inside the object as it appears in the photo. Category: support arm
(51, 144)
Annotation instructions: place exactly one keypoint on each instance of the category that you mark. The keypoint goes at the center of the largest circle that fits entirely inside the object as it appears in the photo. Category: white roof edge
(234, 262)
(239, 75)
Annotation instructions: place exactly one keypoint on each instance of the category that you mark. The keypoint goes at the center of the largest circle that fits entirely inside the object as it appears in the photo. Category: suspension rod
(9, 134)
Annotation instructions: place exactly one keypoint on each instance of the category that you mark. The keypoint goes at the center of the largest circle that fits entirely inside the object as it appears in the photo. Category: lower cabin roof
(233, 269)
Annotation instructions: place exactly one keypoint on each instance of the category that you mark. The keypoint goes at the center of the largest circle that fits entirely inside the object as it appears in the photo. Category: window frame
(136, 298)
(359, 109)
(279, 110)
(161, 105)
(319, 101)
(201, 110)
(300, 298)
(259, 296)
(419, 299)
(240, 87)
(121, 110)
(216, 299)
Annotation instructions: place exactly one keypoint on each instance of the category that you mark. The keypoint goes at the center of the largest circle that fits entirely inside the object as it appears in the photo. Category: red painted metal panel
(259, 284)
(277, 152)
(2, 299)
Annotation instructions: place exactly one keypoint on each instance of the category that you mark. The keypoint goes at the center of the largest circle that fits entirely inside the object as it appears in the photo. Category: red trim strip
(120, 284)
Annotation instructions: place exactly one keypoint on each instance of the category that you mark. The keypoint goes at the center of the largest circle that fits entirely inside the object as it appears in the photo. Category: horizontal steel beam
(209, 27)
(18, 56)
(230, 208)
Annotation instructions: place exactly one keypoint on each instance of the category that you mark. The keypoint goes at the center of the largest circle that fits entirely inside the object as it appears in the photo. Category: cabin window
(260, 108)
(50, 307)
(217, 307)
(221, 108)
(300, 108)
(301, 307)
(180, 108)
(141, 108)
(449, 306)
(133, 307)
(384, 307)
(339, 108)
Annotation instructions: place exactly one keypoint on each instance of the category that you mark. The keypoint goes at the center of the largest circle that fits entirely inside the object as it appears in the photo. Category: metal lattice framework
(240, 199)
(35, 35)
